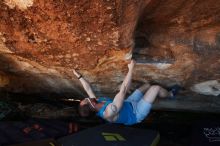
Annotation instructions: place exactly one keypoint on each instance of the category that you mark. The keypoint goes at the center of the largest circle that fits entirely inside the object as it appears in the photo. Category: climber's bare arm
(127, 81)
(85, 84)
(113, 108)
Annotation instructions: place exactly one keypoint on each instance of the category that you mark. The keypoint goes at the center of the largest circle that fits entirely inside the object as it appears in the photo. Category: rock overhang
(43, 40)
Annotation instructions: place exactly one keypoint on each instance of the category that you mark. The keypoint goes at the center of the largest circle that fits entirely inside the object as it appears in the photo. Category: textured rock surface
(41, 41)
(186, 31)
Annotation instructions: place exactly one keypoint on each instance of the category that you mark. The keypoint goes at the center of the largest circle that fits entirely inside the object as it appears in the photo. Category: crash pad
(112, 135)
(46, 142)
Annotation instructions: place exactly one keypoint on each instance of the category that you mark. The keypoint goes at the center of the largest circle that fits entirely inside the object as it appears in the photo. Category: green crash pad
(112, 135)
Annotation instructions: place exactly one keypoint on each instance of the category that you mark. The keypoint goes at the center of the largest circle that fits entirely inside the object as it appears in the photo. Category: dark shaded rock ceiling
(172, 41)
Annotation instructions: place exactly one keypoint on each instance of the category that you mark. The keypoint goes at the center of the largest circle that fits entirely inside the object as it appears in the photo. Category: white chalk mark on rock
(21, 4)
(211, 87)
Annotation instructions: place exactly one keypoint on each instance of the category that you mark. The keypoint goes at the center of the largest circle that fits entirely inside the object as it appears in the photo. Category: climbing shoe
(174, 90)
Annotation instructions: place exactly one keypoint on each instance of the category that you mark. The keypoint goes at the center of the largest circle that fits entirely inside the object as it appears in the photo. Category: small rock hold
(50, 56)
(68, 56)
(67, 60)
(100, 43)
(60, 56)
(11, 18)
(88, 39)
(3, 39)
(75, 54)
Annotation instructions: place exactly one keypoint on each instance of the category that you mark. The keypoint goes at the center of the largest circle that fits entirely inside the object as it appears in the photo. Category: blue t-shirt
(126, 115)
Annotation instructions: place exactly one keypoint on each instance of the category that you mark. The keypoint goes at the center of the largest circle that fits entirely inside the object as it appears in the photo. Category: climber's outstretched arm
(85, 84)
(113, 108)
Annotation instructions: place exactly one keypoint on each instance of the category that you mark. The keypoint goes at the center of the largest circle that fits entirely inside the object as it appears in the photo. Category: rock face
(172, 41)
